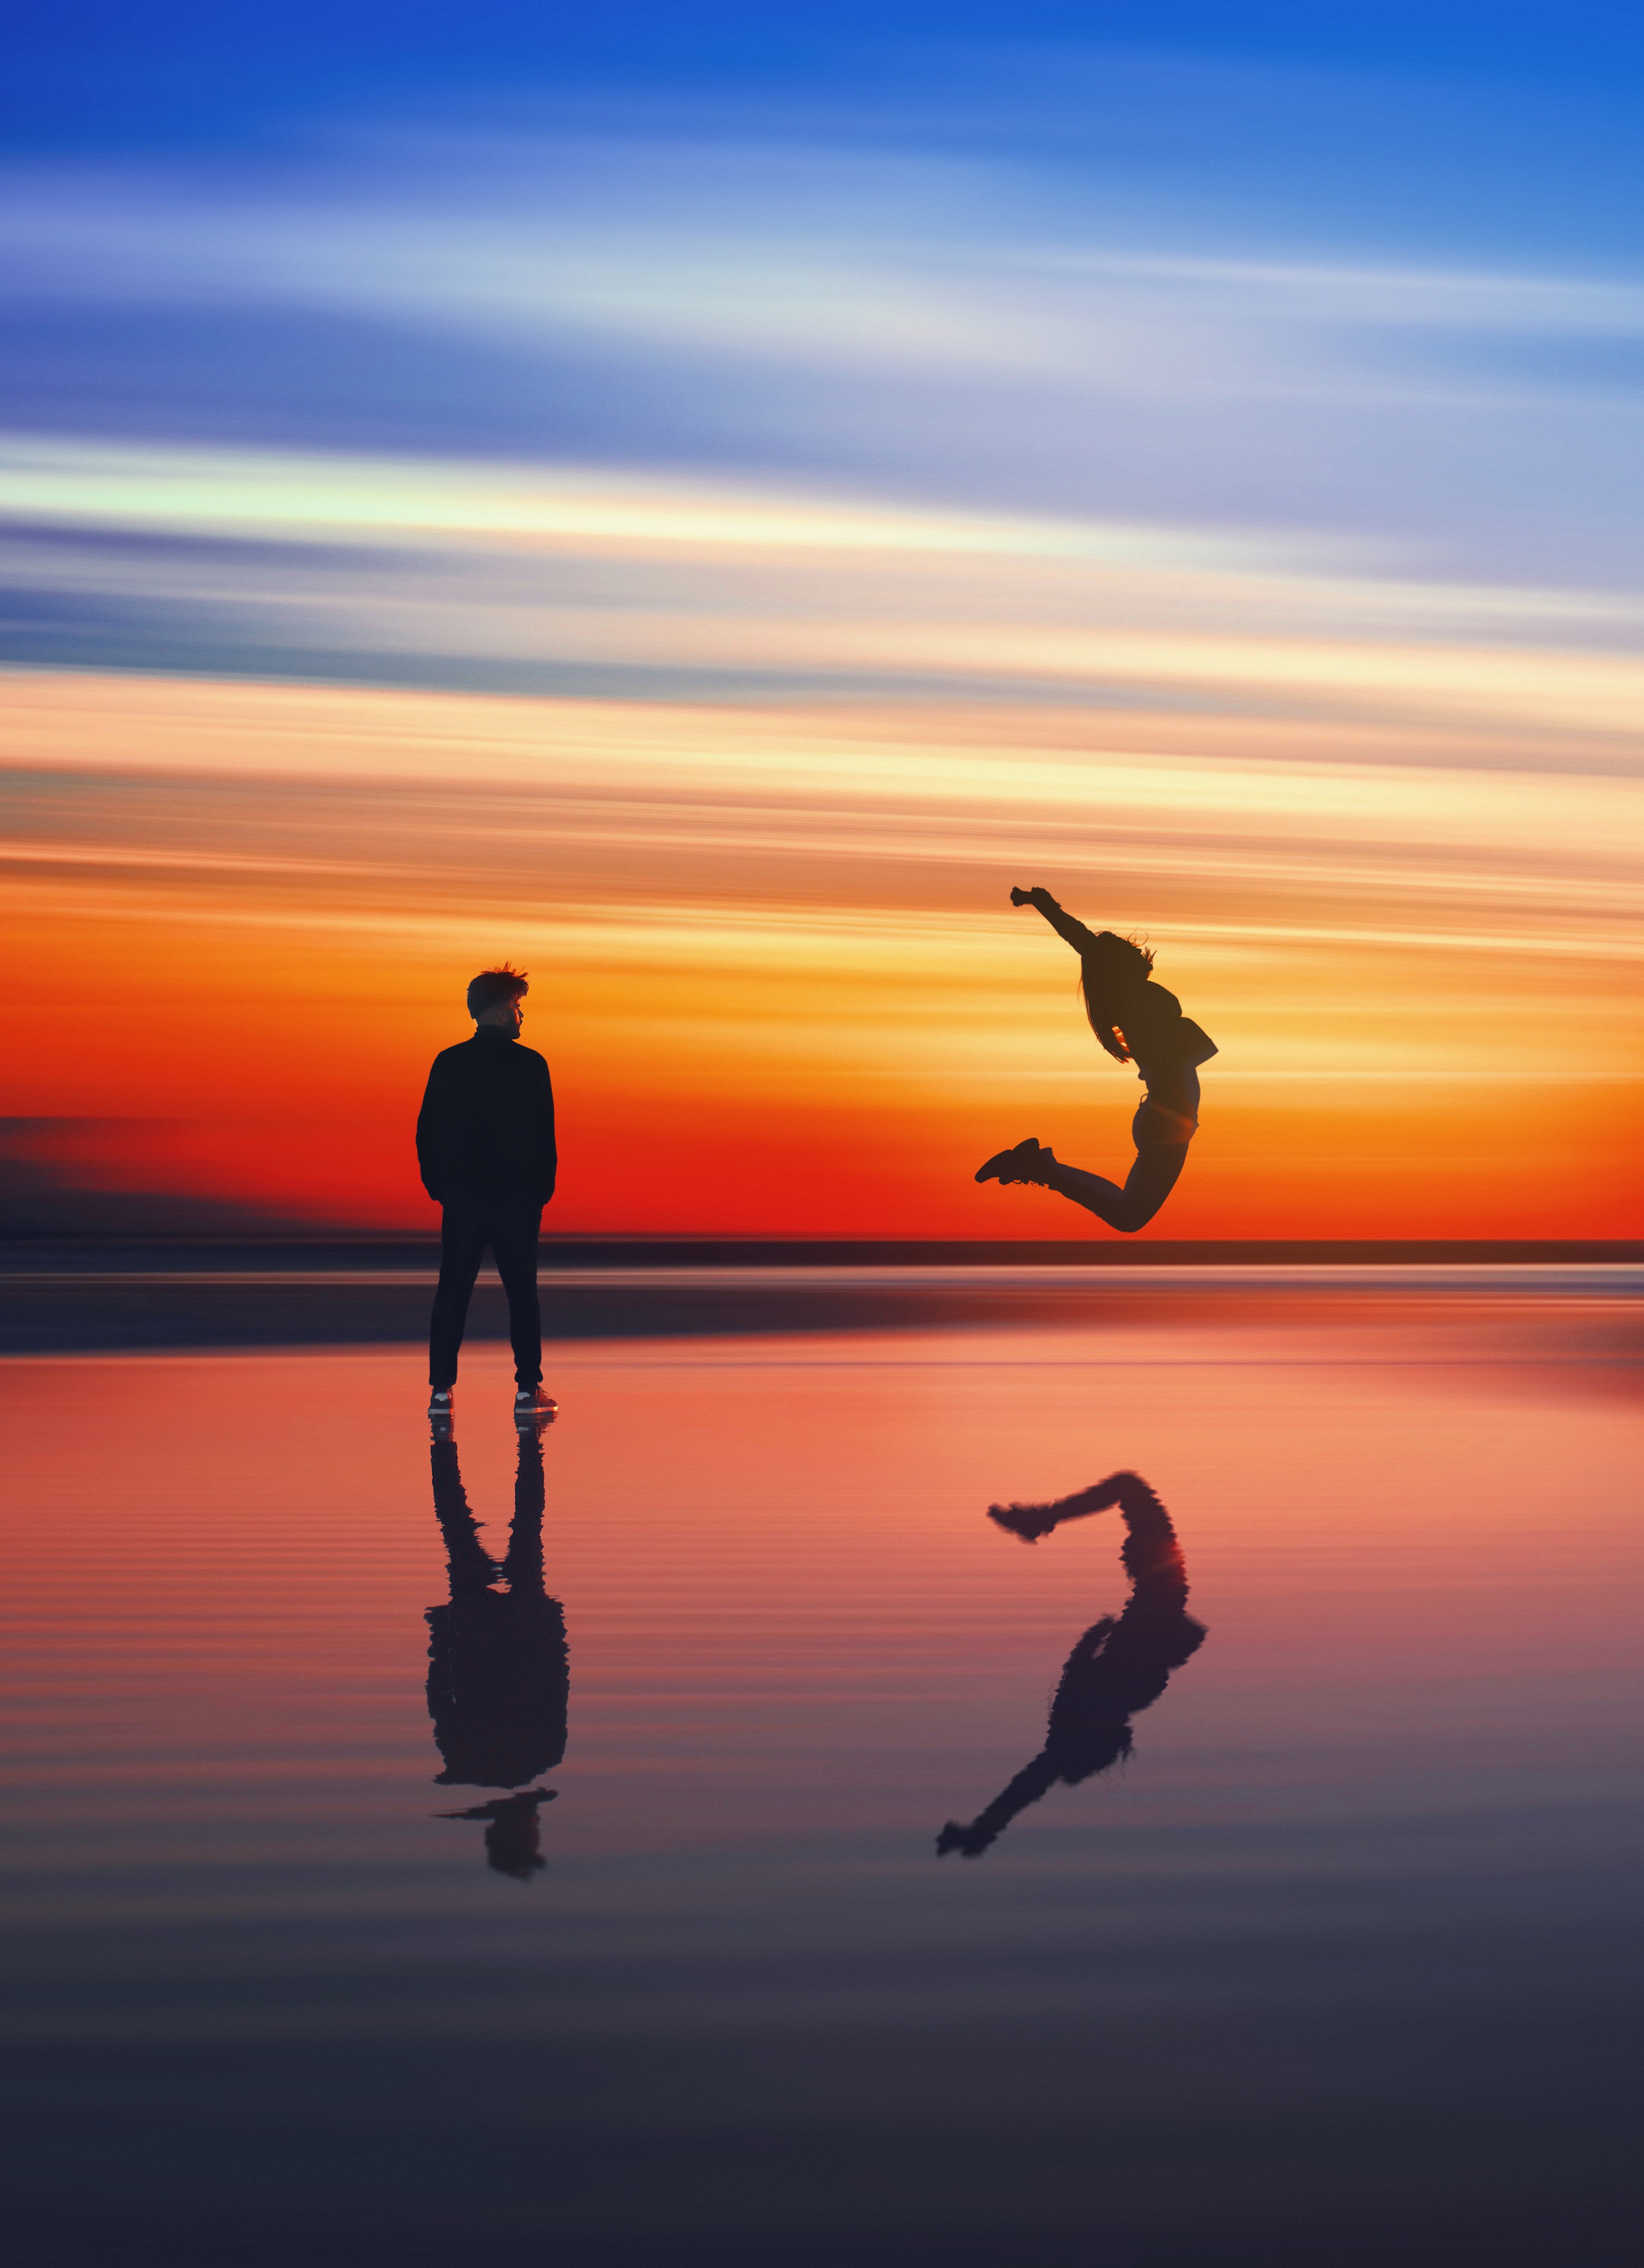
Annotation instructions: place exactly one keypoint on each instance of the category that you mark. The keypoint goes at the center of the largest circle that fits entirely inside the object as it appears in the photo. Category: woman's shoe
(1025, 1163)
(1029, 1521)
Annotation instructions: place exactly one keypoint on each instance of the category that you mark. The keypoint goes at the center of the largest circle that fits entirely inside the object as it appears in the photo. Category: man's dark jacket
(486, 1127)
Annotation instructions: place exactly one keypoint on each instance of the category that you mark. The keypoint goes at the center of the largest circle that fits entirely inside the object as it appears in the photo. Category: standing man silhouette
(485, 1145)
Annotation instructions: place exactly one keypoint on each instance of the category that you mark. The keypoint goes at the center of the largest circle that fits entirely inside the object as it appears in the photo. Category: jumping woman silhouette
(1137, 1021)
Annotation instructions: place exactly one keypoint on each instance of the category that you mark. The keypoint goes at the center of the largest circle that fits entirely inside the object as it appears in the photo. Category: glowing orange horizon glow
(776, 971)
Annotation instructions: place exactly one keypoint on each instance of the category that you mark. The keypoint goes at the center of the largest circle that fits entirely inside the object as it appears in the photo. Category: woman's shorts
(1156, 1126)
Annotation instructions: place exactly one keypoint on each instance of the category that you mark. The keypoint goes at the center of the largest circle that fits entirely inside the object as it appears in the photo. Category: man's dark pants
(511, 1225)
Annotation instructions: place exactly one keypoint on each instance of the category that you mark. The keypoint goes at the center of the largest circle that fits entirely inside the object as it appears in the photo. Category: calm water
(1335, 1965)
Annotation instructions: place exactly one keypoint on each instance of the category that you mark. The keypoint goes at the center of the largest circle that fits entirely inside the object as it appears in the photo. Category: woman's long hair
(1110, 974)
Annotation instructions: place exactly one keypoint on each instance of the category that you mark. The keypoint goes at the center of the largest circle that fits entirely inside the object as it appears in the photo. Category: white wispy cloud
(1020, 344)
(820, 258)
(309, 559)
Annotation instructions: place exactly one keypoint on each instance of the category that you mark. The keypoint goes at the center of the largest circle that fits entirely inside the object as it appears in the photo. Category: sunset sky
(699, 504)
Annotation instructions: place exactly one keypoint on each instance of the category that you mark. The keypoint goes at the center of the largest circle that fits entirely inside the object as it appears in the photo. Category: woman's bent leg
(1151, 1179)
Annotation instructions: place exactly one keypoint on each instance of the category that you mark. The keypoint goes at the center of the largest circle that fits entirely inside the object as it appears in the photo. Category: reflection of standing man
(485, 1145)
(498, 1674)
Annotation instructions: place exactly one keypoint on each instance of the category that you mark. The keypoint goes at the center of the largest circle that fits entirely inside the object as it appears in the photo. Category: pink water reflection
(797, 1645)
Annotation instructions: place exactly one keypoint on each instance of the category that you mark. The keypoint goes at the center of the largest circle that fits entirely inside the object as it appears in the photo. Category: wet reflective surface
(705, 1834)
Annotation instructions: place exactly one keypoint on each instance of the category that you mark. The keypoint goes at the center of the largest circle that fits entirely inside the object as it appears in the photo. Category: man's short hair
(492, 986)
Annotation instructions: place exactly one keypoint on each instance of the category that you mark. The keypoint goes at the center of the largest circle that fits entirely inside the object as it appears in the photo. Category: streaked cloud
(570, 569)
(959, 331)
(859, 824)
(821, 257)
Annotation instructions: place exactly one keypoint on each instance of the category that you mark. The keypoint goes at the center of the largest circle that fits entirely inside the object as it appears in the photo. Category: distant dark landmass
(51, 1188)
(58, 1214)
(87, 1268)
(60, 1294)
(245, 1241)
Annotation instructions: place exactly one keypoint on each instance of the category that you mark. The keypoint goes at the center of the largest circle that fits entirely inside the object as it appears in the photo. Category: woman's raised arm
(1073, 931)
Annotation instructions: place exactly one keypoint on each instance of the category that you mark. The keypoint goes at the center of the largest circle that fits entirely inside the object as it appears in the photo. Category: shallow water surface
(704, 1834)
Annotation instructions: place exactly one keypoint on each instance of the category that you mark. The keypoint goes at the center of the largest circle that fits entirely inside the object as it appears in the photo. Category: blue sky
(1361, 282)
(96, 74)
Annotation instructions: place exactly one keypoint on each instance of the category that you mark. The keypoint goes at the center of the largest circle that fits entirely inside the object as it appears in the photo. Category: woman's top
(1160, 1038)
(1166, 1046)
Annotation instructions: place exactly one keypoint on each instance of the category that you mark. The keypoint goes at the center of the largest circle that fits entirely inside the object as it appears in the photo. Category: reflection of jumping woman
(1137, 1021)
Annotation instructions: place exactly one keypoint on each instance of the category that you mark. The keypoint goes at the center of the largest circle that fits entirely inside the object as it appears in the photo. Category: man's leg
(471, 1568)
(514, 1230)
(522, 1568)
(462, 1241)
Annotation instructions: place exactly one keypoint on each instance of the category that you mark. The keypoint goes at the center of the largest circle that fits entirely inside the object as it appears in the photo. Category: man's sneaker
(439, 1401)
(534, 1402)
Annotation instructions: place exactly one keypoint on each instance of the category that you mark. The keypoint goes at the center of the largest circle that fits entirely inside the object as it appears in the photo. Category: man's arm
(433, 1134)
(550, 1147)
(1073, 933)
